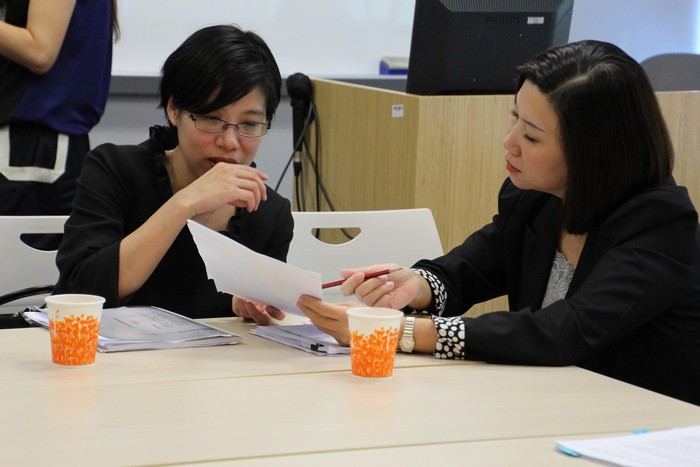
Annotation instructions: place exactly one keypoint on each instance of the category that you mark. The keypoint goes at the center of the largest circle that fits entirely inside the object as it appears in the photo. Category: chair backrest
(22, 266)
(401, 236)
(673, 71)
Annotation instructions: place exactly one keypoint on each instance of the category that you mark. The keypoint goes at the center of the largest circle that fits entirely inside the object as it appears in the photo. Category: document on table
(244, 273)
(146, 328)
(674, 447)
(306, 337)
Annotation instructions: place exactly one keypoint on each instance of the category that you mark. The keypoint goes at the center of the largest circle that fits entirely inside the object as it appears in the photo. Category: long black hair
(612, 133)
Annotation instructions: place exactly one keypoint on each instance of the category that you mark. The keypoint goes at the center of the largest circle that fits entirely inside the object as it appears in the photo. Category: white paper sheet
(242, 272)
(675, 447)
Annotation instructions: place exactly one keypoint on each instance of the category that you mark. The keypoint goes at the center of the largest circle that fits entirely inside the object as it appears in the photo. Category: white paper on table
(306, 337)
(146, 328)
(674, 447)
(244, 273)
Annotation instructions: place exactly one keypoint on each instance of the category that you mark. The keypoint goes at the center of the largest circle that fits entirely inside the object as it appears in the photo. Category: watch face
(406, 344)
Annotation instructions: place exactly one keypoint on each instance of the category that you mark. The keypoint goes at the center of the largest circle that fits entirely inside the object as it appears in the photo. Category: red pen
(368, 275)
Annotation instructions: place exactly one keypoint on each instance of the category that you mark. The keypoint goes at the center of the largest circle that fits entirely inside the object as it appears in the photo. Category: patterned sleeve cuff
(437, 288)
(451, 338)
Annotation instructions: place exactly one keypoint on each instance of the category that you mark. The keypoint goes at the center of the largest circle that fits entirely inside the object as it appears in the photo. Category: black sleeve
(88, 258)
(476, 271)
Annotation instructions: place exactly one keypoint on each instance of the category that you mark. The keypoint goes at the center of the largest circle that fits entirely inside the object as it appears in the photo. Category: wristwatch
(407, 341)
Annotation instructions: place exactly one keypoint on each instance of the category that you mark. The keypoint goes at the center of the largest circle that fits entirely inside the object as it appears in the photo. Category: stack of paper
(143, 328)
(306, 337)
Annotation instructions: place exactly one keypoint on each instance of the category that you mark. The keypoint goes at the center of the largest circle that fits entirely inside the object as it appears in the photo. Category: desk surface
(255, 356)
(265, 403)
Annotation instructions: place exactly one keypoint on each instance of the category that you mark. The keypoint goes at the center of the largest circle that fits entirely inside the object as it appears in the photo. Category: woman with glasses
(126, 238)
(596, 247)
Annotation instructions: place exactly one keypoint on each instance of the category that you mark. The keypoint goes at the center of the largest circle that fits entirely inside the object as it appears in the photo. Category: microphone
(300, 91)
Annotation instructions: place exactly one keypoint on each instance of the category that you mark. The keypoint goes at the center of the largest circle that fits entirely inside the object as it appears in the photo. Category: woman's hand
(142, 250)
(399, 288)
(259, 312)
(331, 318)
(237, 185)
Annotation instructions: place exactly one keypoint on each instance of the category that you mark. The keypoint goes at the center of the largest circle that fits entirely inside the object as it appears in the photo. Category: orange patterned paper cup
(74, 325)
(374, 335)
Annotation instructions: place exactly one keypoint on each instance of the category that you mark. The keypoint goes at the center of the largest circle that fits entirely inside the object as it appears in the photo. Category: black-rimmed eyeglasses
(216, 125)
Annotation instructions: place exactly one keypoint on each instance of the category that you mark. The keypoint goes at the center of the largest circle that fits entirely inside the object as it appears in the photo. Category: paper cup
(374, 335)
(74, 325)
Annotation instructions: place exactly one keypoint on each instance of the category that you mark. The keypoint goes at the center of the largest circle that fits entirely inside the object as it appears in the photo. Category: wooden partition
(382, 149)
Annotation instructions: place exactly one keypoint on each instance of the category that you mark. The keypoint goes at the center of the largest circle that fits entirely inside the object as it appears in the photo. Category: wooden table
(261, 403)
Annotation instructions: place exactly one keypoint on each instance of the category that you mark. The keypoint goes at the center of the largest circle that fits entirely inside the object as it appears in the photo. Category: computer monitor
(473, 46)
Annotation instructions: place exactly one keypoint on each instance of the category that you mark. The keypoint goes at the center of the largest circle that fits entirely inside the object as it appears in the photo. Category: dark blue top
(71, 97)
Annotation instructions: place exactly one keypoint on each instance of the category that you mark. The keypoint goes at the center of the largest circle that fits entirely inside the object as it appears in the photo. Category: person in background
(55, 71)
(126, 238)
(596, 247)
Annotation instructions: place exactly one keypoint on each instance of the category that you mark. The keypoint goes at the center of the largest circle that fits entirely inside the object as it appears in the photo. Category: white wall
(640, 27)
(349, 37)
(337, 37)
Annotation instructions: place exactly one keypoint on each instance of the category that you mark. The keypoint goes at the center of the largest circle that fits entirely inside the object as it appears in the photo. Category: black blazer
(632, 310)
(119, 188)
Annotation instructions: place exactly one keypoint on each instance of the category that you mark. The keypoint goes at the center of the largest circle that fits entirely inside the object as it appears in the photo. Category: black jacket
(119, 188)
(632, 310)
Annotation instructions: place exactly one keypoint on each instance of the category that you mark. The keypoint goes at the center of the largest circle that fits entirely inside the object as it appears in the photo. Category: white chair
(26, 274)
(401, 236)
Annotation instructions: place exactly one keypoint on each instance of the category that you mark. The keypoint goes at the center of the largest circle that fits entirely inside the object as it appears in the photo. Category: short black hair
(217, 66)
(612, 133)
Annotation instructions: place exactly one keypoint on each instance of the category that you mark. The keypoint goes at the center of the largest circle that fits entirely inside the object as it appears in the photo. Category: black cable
(286, 167)
(314, 162)
(297, 143)
(317, 161)
(319, 182)
(301, 196)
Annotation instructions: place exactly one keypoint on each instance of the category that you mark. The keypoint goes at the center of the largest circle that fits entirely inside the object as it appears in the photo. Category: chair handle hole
(42, 241)
(336, 235)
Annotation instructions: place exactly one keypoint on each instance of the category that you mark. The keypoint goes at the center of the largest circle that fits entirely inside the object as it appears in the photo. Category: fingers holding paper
(259, 312)
(331, 318)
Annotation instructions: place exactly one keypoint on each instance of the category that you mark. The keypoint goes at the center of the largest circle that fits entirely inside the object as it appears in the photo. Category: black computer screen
(473, 46)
